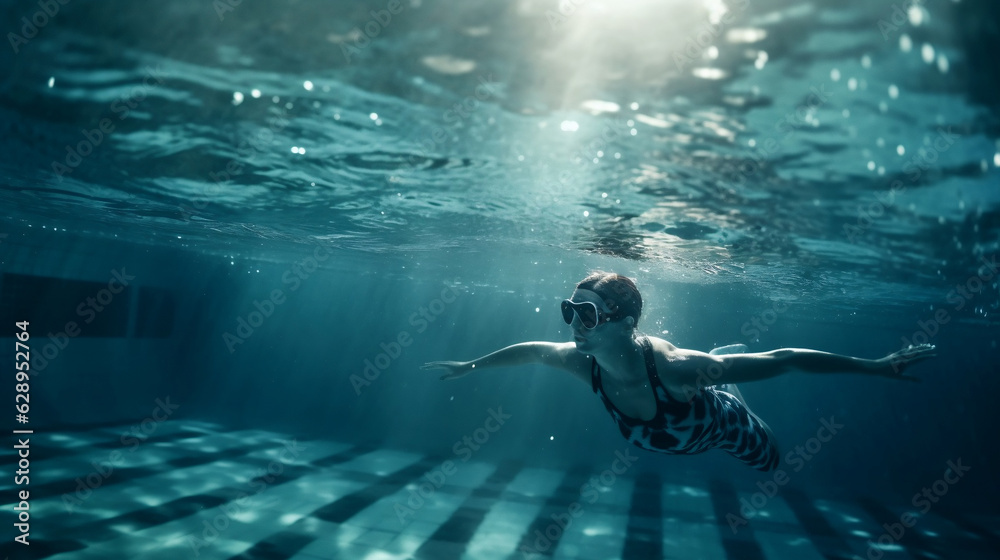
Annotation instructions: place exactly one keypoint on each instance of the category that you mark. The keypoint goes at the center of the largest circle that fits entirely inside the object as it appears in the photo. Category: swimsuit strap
(650, 360)
(594, 373)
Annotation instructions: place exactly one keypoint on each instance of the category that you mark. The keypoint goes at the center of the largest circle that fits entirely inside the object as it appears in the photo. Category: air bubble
(927, 53)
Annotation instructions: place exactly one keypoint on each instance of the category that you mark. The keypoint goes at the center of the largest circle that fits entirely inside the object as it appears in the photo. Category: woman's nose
(576, 320)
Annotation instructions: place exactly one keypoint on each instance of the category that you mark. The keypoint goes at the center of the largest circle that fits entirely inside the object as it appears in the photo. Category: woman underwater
(665, 398)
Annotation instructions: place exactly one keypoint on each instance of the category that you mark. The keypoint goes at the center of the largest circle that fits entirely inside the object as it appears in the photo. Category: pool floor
(186, 489)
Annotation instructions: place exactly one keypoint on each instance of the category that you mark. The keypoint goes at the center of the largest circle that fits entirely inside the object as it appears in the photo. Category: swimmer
(665, 398)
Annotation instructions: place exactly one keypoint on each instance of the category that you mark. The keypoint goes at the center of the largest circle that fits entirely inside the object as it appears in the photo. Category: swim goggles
(590, 316)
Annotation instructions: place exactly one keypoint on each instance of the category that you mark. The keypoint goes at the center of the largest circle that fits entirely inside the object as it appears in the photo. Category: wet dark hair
(618, 292)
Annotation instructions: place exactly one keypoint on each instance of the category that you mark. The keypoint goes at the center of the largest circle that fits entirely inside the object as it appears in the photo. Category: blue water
(234, 225)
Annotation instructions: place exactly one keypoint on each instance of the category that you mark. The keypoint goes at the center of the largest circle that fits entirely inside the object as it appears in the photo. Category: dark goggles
(590, 315)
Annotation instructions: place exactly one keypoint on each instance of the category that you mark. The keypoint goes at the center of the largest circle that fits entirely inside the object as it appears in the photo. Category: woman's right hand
(453, 370)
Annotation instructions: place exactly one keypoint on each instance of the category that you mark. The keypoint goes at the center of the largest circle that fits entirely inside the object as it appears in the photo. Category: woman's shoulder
(670, 352)
(672, 360)
(661, 346)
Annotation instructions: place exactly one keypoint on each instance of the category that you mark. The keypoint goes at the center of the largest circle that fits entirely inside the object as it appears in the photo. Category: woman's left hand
(896, 363)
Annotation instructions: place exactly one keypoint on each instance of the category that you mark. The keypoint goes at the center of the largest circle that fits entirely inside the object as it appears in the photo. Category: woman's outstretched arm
(557, 355)
(697, 369)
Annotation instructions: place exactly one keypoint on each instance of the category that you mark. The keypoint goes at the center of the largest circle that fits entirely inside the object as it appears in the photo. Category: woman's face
(591, 339)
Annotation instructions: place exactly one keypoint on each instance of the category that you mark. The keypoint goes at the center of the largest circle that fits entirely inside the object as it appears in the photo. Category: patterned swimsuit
(712, 419)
